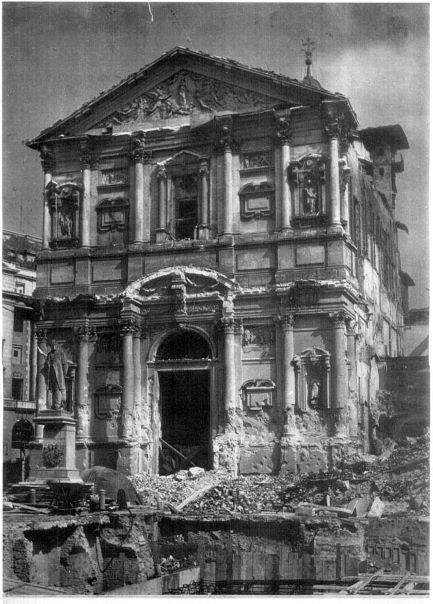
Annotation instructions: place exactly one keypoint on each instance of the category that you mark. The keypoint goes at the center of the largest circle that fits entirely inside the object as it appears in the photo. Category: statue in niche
(314, 393)
(65, 223)
(310, 196)
(56, 369)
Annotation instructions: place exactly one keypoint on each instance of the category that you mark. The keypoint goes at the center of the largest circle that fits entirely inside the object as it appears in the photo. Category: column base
(336, 229)
(162, 236)
(285, 232)
(203, 232)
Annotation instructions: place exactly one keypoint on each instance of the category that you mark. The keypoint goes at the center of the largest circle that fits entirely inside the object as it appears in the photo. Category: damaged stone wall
(268, 550)
(85, 555)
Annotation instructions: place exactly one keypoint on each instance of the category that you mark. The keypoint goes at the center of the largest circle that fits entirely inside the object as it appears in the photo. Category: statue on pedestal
(56, 369)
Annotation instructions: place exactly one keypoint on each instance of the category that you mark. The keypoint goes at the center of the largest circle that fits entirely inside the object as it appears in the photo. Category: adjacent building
(18, 348)
(219, 268)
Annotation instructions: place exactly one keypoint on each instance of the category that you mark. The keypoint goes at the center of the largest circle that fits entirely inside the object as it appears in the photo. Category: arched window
(183, 345)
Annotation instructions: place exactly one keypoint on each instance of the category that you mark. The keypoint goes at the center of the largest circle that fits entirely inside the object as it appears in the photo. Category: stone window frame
(109, 205)
(110, 393)
(311, 163)
(316, 357)
(183, 163)
(262, 386)
(253, 191)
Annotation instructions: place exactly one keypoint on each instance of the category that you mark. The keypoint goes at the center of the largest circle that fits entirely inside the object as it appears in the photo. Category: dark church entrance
(184, 388)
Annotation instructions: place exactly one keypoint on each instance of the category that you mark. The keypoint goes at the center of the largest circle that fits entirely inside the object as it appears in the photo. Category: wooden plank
(356, 588)
(395, 589)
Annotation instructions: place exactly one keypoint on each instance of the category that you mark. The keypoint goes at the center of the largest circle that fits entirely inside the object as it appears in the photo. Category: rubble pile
(157, 491)
(396, 482)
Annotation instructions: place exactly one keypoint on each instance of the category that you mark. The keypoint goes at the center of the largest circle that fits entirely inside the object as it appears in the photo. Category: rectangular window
(186, 205)
(20, 288)
(17, 389)
(17, 354)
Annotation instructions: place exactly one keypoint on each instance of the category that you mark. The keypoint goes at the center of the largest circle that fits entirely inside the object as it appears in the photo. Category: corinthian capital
(286, 321)
(339, 318)
(128, 326)
(283, 130)
(139, 152)
(85, 333)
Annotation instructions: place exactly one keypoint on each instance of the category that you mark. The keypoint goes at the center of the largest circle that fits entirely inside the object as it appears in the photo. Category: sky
(59, 55)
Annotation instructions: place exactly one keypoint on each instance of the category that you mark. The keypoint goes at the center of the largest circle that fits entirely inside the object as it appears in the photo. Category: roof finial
(309, 45)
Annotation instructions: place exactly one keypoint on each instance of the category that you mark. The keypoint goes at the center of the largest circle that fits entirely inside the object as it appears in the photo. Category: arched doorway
(183, 366)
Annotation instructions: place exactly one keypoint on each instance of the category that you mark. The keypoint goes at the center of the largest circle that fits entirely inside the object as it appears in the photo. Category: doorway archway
(182, 363)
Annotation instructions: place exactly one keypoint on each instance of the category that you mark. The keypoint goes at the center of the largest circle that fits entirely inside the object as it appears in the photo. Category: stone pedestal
(57, 455)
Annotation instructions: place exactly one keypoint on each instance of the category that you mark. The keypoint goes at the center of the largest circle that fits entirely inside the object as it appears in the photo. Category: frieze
(183, 94)
(115, 176)
(256, 160)
(258, 336)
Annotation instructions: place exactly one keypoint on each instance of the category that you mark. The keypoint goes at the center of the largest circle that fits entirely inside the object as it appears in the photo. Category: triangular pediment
(183, 87)
(187, 94)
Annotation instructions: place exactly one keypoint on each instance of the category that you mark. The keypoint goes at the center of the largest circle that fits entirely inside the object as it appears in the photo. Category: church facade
(219, 269)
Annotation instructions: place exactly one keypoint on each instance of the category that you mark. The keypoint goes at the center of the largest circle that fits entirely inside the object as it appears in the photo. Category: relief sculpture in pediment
(183, 94)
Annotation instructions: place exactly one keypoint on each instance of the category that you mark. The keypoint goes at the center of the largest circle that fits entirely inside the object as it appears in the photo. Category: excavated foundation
(125, 552)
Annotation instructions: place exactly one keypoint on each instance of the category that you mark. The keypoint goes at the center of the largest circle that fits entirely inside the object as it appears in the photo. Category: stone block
(310, 254)
(254, 260)
(257, 460)
(358, 506)
(376, 509)
(108, 270)
(62, 273)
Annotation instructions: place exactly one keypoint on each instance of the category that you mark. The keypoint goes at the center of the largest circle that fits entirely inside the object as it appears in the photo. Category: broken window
(186, 205)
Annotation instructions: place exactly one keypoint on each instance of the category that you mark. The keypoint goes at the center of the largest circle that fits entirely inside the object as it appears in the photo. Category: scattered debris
(363, 486)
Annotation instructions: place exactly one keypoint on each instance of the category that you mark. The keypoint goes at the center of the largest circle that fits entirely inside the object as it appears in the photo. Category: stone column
(140, 156)
(162, 204)
(86, 160)
(229, 326)
(283, 138)
(136, 352)
(225, 143)
(33, 363)
(128, 329)
(344, 195)
(289, 395)
(339, 361)
(41, 395)
(351, 353)
(203, 228)
(334, 184)
(84, 334)
(48, 164)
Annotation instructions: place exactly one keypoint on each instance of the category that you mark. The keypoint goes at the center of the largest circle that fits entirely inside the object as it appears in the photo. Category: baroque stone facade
(220, 269)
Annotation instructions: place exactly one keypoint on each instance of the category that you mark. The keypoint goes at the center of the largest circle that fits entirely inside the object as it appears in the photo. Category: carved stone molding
(112, 214)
